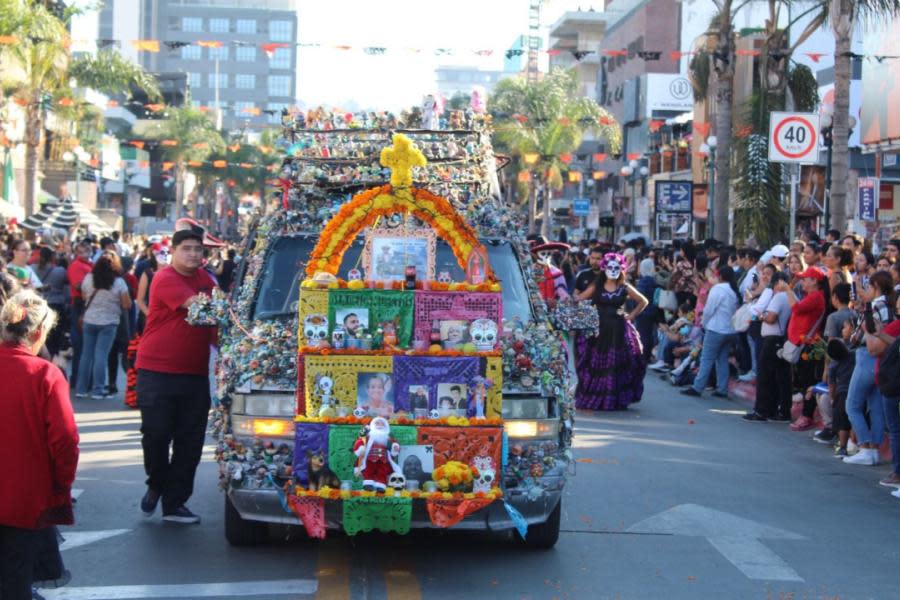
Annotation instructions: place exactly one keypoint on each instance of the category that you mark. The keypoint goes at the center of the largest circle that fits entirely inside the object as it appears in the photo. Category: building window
(218, 53)
(191, 52)
(281, 58)
(281, 31)
(218, 25)
(280, 85)
(223, 80)
(195, 80)
(274, 114)
(245, 53)
(191, 24)
(244, 81)
(246, 26)
(242, 109)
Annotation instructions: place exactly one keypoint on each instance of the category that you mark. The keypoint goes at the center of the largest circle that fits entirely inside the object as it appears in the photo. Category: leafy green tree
(547, 119)
(38, 69)
(187, 135)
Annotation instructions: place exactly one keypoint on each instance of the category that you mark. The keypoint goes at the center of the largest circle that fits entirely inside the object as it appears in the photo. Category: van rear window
(279, 286)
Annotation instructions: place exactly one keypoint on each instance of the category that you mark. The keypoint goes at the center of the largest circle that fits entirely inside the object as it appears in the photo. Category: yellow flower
(404, 494)
(345, 494)
(356, 284)
(448, 496)
(443, 483)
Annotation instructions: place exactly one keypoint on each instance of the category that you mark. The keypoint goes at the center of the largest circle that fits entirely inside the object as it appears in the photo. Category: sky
(401, 79)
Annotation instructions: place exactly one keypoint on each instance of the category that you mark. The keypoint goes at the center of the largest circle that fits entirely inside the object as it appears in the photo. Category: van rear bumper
(265, 505)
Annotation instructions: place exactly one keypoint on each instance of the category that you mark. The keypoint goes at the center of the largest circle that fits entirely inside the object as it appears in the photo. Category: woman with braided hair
(611, 365)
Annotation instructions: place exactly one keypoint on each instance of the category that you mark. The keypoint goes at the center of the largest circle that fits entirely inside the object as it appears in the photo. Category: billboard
(668, 92)
(881, 80)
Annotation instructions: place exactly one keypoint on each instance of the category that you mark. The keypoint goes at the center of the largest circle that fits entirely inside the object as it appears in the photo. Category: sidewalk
(744, 393)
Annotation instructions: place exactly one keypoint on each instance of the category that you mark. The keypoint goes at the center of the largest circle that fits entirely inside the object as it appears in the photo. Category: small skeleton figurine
(553, 287)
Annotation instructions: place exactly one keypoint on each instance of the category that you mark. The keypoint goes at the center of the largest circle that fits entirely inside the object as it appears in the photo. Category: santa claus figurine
(553, 287)
(376, 455)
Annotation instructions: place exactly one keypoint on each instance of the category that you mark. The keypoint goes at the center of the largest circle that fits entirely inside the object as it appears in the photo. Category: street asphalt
(677, 497)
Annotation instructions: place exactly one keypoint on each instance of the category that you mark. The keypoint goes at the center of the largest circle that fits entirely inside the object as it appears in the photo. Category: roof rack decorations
(410, 357)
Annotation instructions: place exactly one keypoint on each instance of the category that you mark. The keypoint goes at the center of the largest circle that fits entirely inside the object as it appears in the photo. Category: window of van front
(279, 287)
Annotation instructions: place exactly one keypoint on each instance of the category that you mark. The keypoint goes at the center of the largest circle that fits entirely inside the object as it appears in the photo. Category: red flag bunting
(137, 144)
(169, 143)
(220, 164)
(615, 52)
(600, 157)
(270, 48)
(814, 56)
(634, 155)
(566, 157)
(209, 43)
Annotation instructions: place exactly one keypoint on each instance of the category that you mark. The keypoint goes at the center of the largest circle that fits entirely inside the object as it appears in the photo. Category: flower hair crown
(612, 256)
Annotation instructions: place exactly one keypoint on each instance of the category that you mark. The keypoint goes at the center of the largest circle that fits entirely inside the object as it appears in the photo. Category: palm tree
(547, 119)
(186, 135)
(843, 16)
(41, 71)
(723, 60)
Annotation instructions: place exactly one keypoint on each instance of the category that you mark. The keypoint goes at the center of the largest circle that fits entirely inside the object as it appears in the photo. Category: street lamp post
(709, 148)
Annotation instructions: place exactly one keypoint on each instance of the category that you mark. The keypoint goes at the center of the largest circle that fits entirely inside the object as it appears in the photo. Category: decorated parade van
(386, 361)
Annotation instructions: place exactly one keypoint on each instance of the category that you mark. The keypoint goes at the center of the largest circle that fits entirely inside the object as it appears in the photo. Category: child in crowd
(840, 368)
(673, 338)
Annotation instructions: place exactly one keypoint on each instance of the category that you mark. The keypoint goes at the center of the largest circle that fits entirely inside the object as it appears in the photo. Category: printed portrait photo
(453, 399)
(353, 320)
(375, 394)
(454, 334)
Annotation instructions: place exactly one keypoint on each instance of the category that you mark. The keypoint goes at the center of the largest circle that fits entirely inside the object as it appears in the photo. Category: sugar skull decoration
(397, 481)
(613, 264)
(444, 277)
(354, 275)
(487, 475)
(484, 334)
(315, 329)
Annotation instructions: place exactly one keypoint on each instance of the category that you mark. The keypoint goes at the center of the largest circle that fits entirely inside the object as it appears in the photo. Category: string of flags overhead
(270, 48)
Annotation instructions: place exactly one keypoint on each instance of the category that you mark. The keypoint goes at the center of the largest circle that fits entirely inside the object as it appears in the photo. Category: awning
(64, 215)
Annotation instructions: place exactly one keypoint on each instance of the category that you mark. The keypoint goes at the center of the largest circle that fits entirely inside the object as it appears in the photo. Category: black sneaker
(781, 418)
(826, 436)
(755, 417)
(149, 502)
(181, 514)
(719, 394)
(689, 391)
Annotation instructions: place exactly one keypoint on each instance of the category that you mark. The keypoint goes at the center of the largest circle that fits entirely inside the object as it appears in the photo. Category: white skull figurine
(354, 275)
(315, 329)
(434, 414)
(359, 412)
(485, 481)
(444, 277)
(396, 481)
(484, 334)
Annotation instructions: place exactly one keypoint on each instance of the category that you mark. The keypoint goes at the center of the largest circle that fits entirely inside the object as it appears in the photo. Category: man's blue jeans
(716, 347)
(864, 393)
(98, 340)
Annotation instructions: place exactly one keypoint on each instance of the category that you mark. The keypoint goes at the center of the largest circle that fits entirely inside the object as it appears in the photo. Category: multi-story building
(231, 71)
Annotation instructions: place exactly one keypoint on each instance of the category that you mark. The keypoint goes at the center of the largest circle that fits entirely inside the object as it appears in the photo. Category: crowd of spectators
(806, 323)
(100, 289)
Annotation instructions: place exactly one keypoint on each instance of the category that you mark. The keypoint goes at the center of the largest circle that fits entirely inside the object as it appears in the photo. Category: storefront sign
(581, 207)
(674, 196)
(867, 194)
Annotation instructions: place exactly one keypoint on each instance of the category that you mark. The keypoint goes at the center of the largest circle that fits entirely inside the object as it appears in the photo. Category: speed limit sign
(794, 137)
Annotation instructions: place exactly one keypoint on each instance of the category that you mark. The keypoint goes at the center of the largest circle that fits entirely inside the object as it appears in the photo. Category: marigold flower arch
(365, 208)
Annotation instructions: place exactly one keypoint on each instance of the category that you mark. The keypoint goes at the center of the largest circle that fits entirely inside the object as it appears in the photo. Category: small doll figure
(480, 387)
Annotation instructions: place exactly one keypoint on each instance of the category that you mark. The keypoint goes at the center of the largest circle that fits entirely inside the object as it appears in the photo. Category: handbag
(667, 300)
(742, 318)
(790, 351)
(87, 306)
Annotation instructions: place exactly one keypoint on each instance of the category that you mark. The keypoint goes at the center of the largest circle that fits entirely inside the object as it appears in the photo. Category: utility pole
(534, 39)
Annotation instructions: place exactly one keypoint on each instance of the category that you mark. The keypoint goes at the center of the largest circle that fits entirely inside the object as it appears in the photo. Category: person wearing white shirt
(720, 307)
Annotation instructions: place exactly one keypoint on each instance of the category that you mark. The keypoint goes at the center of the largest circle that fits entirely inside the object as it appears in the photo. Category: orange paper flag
(220, 164)
(634, 155)
(155, 107)
(599, 157)
(169, 143)
(702, 129)
(195, 163)
(200, 146)
(167, 165)
(270, 49)
(246, 165)
(252, 110)
(146, 45)
(8, 39)
(137, 144)
(209, 44)
(66, 102)
(234, 147)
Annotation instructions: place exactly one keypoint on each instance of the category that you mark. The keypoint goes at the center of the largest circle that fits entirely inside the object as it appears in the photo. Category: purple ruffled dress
(610, 366)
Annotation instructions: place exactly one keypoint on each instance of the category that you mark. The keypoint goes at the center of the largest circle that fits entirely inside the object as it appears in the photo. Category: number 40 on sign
(794, 137)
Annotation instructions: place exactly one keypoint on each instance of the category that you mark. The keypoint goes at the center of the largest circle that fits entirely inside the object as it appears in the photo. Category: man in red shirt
(76, 273)
(173, 380)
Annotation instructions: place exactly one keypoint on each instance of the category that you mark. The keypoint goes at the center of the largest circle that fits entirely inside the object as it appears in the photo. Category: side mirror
(574, 315)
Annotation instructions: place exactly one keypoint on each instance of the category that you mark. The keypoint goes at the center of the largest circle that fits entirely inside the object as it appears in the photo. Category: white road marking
(187, 590)
(736, 538)
(82, 538)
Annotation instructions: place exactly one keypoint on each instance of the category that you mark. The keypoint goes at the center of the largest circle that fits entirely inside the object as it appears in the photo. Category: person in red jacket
(173, 380)
(37, 427)
(77, 271)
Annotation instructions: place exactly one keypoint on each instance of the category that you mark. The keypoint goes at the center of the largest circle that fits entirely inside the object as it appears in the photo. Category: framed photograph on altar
(389, 252)
(453, 399)
(390, 310)
(418, 400)
(375, 394)
(454, 334)
(445, 307)
(354, 320)
(417, 462)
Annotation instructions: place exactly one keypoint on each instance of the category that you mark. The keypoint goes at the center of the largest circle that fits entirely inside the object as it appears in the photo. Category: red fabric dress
(39, 437)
